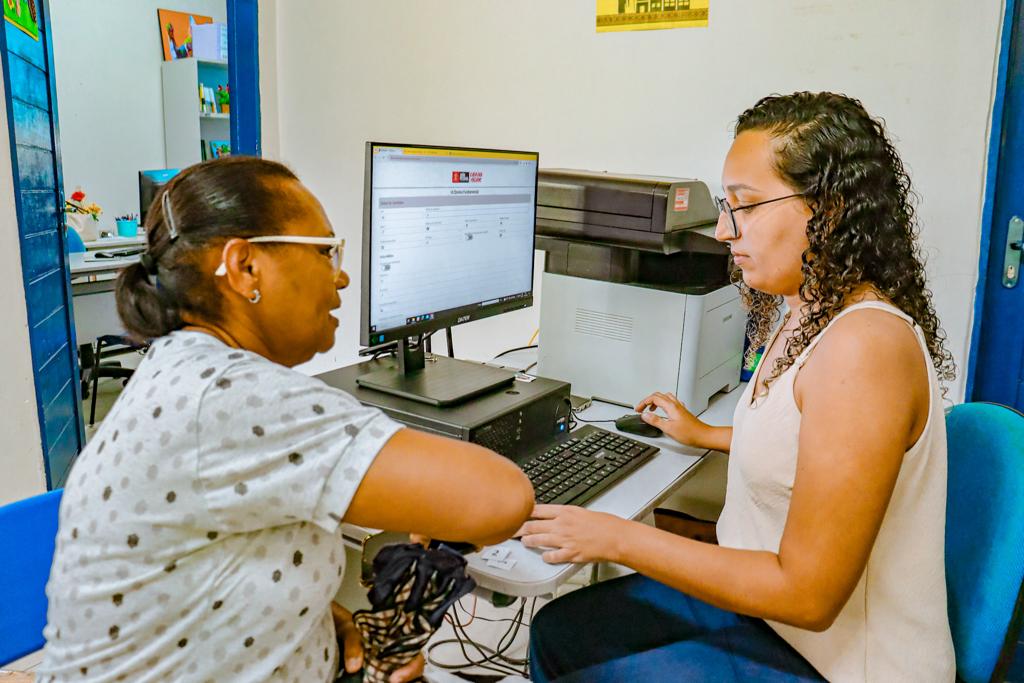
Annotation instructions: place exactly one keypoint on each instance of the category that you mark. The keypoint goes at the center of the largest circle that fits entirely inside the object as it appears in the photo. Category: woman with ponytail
(831, 555)
(199, 530)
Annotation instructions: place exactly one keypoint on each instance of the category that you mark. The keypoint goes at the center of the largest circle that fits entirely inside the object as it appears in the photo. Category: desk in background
(92, 286)
(115, 243)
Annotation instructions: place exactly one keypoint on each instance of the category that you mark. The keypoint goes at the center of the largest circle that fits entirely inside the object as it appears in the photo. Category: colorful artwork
(176, 32)
(22, 13)
(220, 148)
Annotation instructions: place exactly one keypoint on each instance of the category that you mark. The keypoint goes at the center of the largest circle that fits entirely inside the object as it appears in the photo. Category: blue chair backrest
(28, 530)
(985, 537)
(74, 242)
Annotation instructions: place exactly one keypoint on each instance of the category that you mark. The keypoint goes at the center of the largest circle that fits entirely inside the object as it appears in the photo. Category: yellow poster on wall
(648, 15)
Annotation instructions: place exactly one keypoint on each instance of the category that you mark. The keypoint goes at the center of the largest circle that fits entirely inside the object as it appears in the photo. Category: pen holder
(127, 228)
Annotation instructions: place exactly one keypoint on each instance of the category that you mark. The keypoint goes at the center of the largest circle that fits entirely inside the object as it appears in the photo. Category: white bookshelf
(184, 124)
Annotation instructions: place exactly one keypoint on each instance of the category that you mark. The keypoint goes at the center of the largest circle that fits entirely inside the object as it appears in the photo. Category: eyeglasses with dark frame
(730, 211)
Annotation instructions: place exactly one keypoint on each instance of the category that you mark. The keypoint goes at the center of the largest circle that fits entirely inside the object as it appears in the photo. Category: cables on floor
(494, 659)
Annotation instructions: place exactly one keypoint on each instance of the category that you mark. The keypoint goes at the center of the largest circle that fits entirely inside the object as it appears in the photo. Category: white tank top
(895, 625)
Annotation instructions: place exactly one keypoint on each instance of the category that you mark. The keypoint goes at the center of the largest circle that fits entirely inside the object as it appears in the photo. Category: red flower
(77, 196)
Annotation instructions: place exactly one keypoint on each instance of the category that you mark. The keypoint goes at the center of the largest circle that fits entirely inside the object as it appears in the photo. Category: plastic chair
(28, 530)
(985, 537)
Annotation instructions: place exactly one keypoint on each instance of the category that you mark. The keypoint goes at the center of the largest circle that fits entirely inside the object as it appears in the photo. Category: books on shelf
(215, 149)
(214, 100)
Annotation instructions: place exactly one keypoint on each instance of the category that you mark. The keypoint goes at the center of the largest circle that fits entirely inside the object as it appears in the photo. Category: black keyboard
(578, 468)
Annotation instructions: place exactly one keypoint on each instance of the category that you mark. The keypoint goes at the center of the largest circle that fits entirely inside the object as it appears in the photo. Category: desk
(92, 286)
(87, 264)
(632, 498)
(116, 242)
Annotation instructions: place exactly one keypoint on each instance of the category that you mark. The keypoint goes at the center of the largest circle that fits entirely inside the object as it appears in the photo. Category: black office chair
(115, 345)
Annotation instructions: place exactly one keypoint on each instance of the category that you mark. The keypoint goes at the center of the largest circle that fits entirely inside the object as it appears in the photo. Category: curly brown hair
(862, 229)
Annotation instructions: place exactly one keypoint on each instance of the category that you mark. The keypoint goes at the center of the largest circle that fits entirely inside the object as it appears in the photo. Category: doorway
(85, 97)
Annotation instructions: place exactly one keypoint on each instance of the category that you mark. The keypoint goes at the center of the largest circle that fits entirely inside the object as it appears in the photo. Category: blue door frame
(244, 76)
(995, 369)
(34, 132)
(33, 128)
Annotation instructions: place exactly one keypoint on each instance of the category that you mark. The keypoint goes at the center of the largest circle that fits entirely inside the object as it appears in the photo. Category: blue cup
(127, 228)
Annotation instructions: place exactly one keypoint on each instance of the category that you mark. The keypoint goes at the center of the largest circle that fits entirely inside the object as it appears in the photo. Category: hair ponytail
(144, 313)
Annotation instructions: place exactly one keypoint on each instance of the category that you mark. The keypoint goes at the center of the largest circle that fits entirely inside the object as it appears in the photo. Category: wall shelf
(186, 128)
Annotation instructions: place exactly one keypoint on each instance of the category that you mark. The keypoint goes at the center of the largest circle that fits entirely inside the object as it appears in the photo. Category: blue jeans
(636, 629)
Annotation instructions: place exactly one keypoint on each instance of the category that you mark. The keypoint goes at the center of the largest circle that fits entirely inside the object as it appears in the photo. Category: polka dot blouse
(199, 533)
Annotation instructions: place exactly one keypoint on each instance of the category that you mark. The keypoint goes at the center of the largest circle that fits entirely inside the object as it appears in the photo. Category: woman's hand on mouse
(680, 423)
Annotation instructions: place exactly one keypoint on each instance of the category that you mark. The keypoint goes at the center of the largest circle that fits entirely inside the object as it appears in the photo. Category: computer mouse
(634, 424)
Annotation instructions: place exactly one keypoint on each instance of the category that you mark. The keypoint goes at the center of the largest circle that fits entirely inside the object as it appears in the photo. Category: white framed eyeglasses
(337, 245)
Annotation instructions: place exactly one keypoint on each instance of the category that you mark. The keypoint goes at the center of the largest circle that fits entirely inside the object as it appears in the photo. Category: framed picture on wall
(176, 32)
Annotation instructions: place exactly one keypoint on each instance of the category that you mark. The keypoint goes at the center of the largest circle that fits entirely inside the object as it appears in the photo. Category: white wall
(21, 458)
(107, 58)
(535, 75)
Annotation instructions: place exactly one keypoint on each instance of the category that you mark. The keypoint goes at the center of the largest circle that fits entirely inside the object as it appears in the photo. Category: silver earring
(255, 298)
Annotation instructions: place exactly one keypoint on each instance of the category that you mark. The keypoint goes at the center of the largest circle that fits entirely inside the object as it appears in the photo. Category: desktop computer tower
(512, 420)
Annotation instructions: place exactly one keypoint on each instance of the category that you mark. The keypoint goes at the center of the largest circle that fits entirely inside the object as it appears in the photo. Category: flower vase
(84, 224)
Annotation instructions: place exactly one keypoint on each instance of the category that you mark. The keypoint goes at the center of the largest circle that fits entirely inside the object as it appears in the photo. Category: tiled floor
(109, 389)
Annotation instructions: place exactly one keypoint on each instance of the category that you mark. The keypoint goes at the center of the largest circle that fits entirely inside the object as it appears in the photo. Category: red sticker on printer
(682, 198)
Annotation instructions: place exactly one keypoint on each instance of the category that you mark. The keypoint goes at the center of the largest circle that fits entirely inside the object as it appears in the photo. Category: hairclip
(168, 216)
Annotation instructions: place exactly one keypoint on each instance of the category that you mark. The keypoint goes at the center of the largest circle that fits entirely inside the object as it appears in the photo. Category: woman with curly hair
(831, 555)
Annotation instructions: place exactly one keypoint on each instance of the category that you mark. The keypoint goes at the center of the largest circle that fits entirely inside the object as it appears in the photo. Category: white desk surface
(632, 498)
(116, 242)
(87, 264)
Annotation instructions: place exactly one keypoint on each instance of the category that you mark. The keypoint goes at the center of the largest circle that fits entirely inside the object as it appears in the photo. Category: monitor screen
(447, 237)
(149, 183)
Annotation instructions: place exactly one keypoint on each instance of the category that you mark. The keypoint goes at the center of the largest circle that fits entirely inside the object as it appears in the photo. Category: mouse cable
(518, 348)
(577, 418)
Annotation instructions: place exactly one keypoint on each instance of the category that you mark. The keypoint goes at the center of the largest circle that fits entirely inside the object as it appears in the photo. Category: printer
(636, 295)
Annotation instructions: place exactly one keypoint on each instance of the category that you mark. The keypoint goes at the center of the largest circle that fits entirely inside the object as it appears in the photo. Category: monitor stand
(441, 382)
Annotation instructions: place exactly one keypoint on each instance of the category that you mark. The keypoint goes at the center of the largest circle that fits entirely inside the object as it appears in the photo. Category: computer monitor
(448, 237)
(150, 183)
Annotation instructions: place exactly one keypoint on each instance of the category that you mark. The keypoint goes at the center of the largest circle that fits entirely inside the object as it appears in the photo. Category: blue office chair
(28, 529)
(74, 242)
(985, 537)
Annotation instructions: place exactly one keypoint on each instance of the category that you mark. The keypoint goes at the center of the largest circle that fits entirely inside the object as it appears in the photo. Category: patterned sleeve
(275, 447)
